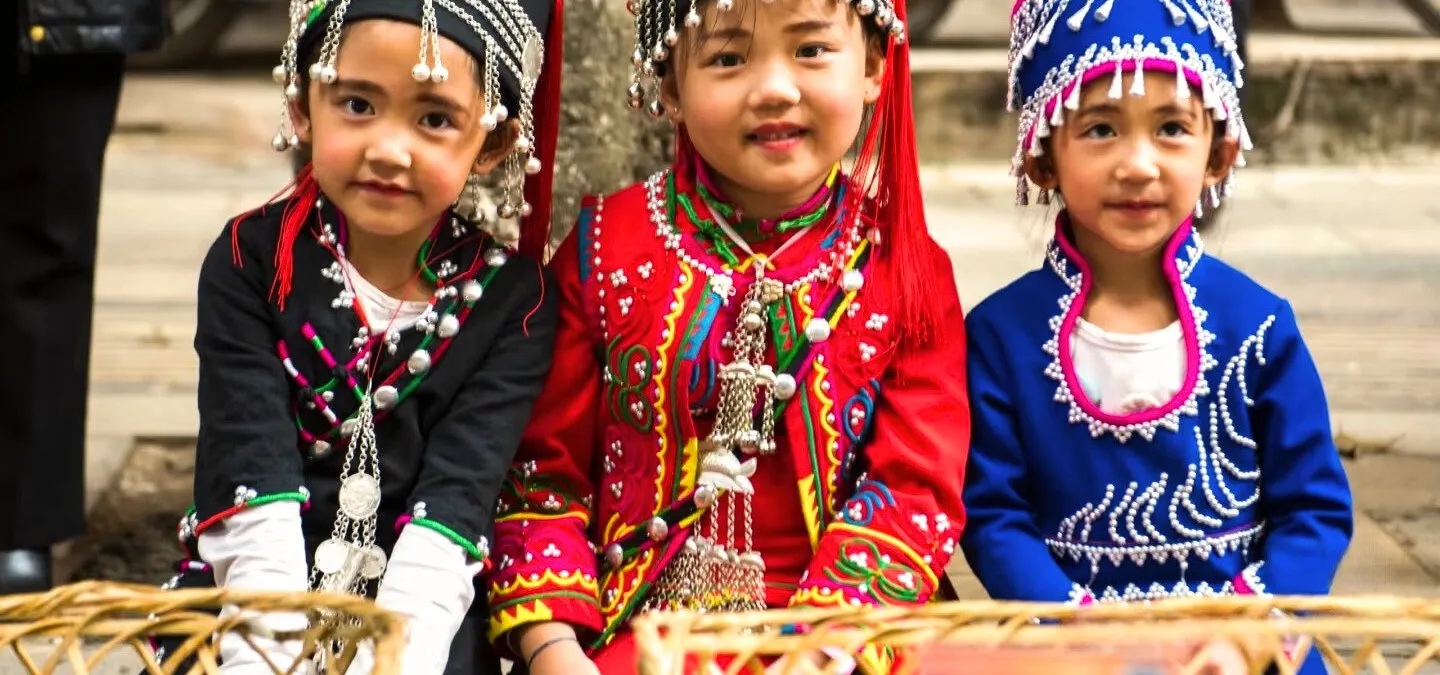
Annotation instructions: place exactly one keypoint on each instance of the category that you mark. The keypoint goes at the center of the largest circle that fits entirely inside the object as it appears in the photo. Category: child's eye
(436, 121)
(812, 51)
(356, 105)
(1172, 129)
(1099, 131)
(725, 60)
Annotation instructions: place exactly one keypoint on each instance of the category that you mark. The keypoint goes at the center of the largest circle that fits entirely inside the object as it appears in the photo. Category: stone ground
(1356, 249)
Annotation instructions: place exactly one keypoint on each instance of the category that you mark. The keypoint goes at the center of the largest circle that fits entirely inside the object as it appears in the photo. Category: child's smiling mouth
(777, 136)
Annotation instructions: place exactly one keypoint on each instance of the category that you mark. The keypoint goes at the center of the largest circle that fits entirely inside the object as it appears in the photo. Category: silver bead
(501, 112)
(419, 362)
(753, 321)
(704, 496)
(280, 143)
(292, 91)
(496, 257)
(657, 528)
(865, 7)
(614, 555)
(471, 291)
(785, 386)
(658, 53)
(853, 281)
(449, 326)
(386, 396)
(725, 5)
(328, 75)
(420, 72)
(656, 109)
(671, 37)
(347, 428)
(525, 208)
(315, 69)
(522, 145)
(488, 121)
(278, 74)
(506, 210)
(817, 330)
(320, 450)
(532, 166)
(637, 57)
(439, 74)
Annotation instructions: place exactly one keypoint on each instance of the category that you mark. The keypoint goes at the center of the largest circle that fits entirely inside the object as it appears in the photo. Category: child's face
(773, 93)
(1130, 169)
(393, 153)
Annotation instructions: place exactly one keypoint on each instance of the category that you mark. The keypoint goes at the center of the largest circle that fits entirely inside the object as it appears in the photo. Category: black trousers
(56, 115)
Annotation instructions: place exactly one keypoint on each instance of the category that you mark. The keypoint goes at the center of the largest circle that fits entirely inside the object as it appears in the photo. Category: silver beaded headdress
(502, 35)
(1058, 46)
(657, 31)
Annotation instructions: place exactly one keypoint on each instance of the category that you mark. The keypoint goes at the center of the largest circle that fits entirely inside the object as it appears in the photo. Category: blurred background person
(60, 82)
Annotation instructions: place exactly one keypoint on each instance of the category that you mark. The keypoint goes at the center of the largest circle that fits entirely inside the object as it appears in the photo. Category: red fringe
(297, 210)
(907, 251)
(535, 228)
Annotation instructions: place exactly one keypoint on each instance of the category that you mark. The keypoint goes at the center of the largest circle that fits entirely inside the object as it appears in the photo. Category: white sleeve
(431, 583)
(260, 549)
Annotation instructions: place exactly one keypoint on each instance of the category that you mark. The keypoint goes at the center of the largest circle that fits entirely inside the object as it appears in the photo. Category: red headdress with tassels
(906, 250)
(535, 228)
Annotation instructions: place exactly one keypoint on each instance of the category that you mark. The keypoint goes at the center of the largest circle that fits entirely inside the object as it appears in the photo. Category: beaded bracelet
(529, 661)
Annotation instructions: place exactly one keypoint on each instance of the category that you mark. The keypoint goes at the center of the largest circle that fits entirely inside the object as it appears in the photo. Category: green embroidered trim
(750, 228)
(277, 497)
(624, 388)
(452, 535)
(566, 595)
(872, 581)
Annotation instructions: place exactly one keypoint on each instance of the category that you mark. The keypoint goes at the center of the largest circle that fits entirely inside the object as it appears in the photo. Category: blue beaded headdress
(1057, 46)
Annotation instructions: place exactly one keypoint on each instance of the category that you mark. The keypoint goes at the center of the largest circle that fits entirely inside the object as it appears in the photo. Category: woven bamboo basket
(72, 629)
(1353, 635)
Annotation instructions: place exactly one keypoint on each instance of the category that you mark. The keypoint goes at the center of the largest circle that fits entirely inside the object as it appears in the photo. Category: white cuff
(260, 549)
(431, 583)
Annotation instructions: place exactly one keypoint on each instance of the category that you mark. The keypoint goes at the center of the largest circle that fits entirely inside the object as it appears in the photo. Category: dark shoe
(25, 571)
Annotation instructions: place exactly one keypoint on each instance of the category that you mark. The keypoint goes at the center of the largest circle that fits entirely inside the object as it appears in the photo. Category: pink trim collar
(1182, 254)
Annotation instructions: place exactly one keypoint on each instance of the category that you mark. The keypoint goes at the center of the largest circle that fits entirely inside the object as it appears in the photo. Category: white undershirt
(1124, 374)
(380, 308)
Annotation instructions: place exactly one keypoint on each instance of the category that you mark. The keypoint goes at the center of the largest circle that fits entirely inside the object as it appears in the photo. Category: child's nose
(390, 150)
(1140, 163)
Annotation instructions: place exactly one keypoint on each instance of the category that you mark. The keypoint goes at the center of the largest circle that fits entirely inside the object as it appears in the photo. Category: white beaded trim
(1239, 540)
(1157, 591)
(1212, 462)
(1194, 253)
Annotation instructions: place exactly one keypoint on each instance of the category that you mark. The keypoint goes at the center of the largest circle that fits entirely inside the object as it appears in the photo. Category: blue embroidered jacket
(1233, 486)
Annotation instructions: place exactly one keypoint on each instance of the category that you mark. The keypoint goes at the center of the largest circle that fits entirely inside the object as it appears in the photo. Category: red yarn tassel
(907, 250)
(297, 212)
(535, 228)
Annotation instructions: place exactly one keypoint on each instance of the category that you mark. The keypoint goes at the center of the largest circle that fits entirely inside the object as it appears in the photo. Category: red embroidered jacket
(602, 493)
